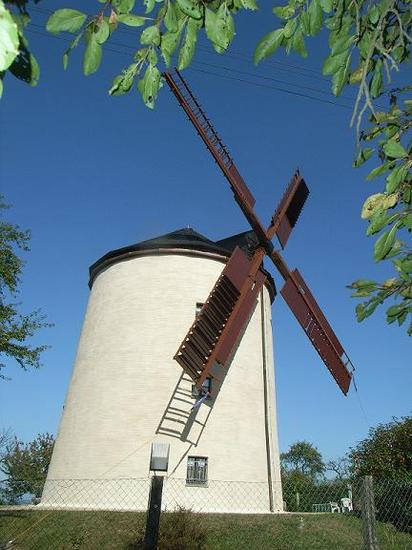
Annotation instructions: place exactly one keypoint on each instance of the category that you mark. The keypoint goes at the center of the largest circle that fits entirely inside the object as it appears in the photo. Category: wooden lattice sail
(215, 333)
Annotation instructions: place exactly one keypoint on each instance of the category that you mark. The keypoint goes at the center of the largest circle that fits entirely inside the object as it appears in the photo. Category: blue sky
(88, 173)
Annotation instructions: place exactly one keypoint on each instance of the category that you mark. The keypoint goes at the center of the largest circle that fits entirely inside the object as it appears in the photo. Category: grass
(43, 530)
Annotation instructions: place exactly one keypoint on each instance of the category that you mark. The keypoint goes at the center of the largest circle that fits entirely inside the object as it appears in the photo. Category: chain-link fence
(109, 513)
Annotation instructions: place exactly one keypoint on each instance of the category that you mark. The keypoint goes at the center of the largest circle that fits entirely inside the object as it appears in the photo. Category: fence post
(368, 515)
(153, 514)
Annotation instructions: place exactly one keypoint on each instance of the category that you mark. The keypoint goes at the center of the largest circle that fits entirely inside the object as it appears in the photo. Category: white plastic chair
(334, 507)
(347, 505)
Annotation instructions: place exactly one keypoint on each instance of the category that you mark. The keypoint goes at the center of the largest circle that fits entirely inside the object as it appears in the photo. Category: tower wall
(127, 391)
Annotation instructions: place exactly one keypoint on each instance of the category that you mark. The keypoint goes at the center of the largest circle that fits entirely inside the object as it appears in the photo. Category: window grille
(196, 470)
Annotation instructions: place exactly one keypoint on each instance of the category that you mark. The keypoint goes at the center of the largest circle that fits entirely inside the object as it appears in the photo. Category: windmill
(128, 409)
(208, 347)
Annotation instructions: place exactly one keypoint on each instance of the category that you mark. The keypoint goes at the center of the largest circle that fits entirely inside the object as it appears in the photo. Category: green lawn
(42, 530)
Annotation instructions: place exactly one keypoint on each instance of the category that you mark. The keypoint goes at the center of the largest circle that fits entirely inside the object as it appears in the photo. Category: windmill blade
(289, 209)
(309, 315)
(209, 135)
(204, 127)
(215, 333)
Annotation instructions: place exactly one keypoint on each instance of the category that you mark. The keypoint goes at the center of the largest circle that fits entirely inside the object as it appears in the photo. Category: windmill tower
(127, 392)
(218, 412)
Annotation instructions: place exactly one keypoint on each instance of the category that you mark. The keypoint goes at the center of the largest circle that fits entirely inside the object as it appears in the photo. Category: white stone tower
(127, 392)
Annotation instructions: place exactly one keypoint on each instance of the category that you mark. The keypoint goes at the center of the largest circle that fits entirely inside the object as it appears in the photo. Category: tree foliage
(368, 42)
(386, 452)
(340, 467)
(303, 461)
(25, 466)
(15, 55)
(15, 328)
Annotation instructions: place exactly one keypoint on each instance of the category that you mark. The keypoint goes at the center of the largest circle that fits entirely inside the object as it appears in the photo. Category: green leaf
(379, 170)
(150, 4)
(284, 12)
(391, 130)
(360, 283)
(92, 55)
(377, 79)
(289, 28)
(123, 6)
(190, 8)
(340, 43)
(396, 177)
(407, 220)
(356, 75)
(363, 288)
(219, 27)
(123, 83)
(131, 20)
(374, 14)
(404, 265)
(304, 23)
(73, 44)
(1, 88)
(363, 156)
(372, 205)
(340, 78)
(25, 67)
(103, 32)
(171, 18)
(385, 243)
(396, 249)
(334, 63)
(249, 4)
(9, 39)
(326, 5)
(396, 312)
(65, 20)
(365, 310)
(168, 45)
(149, 86)
(394, 149)
(150, 36)
(315, 17)
(268, 45)
(298, 42)
(378, 220)
(378, 202)
(188, 47)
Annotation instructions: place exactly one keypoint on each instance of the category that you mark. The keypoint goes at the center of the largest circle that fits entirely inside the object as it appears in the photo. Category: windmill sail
(212, 338)
(216, 331)
(209, 135)
(311, 318)
(289, 209)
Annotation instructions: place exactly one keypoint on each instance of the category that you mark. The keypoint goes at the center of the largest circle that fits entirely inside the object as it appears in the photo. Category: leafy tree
(340, 467)
(303, 461)
(368, 41)
(5, 440)
(386, 452)
(25, 466)
(15, 328)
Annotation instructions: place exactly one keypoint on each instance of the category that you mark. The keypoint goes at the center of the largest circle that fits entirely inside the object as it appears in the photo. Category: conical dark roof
(186, 238)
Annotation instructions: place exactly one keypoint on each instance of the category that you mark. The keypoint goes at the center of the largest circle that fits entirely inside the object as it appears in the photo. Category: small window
(206, 387)
(199, 306)
(196, 470)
